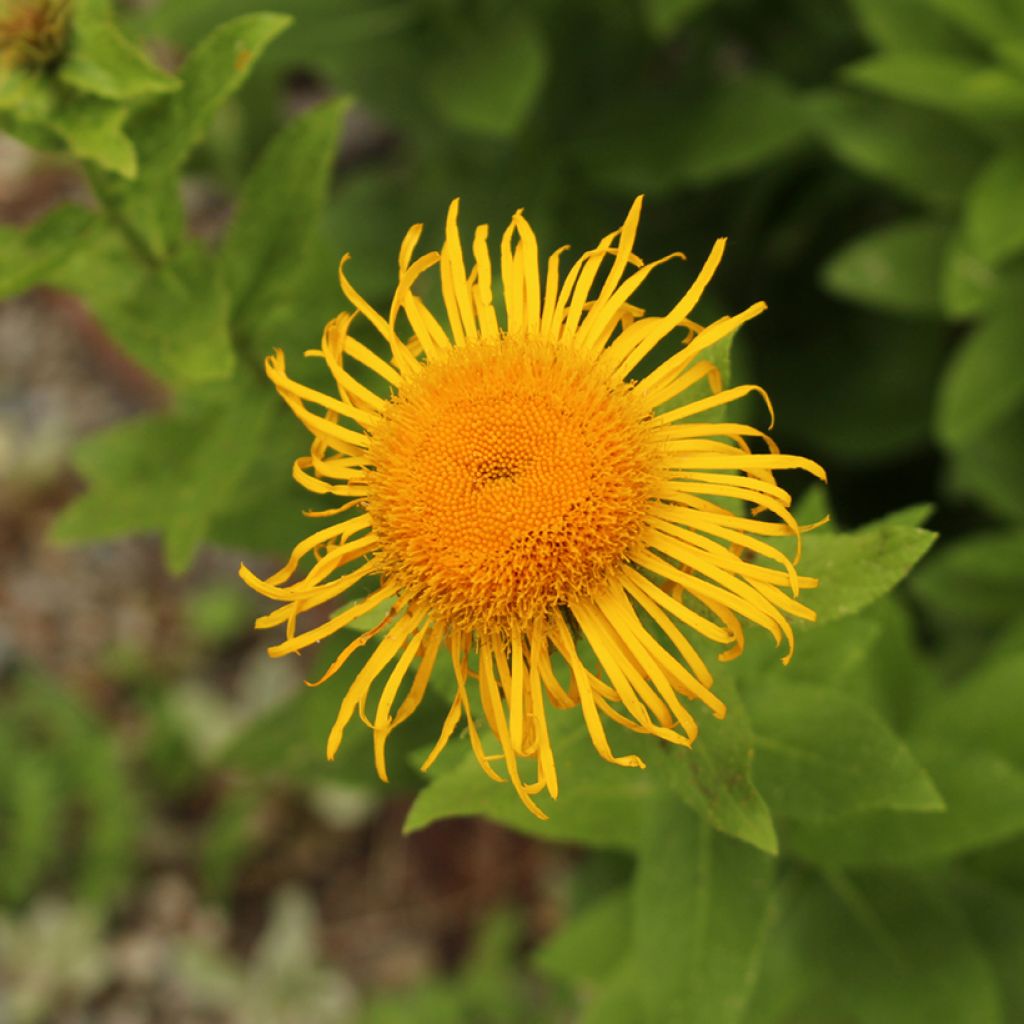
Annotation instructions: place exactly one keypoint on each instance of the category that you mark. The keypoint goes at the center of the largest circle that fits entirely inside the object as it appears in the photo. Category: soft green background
(847, 845)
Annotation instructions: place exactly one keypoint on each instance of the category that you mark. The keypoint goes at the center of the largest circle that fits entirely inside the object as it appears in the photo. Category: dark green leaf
(909, 25)
(988, 469)
(969, 283)
(485, 80)
(857, 568)
(590, 943)
(821, 755)
(714, 776)
(895, 268)
(665, 17)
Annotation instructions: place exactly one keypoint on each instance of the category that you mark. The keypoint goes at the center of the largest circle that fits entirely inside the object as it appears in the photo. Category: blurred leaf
(994, 210)
(599, 804)
(969, 283)
(94, 130)
(103, 62)
(926, 155)
(907, 26)
(714, 776)
(988, 21)
(988, 469)
(28, 256)
(701, 909)
(984, 797)
(967, 88)
(821, 755)
(278, 212)
(590, 942)
(895, 268)
(485, 79)
(983, 710)
(664, 18)
(974, 581)
(984, 378)
(857, 568)
(737, 127)
(213, 70)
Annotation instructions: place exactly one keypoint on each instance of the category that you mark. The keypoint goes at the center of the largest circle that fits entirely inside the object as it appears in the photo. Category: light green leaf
(213, 70)
(984, 797)
(93, 130)
(895, 268)
(27, 257)
(926, 155)
(821, 755)
(714, 776)
(988, 21)
(994, 210)
(964, 87)
(984, 378)
(701, 909)
(278, 212)
(103, 62)
(857, 568)
(740, 125)
(664, 18)
(486, 80)
(599, 804)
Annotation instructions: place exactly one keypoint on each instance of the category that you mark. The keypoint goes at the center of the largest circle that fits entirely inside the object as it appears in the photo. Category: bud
(33, 33)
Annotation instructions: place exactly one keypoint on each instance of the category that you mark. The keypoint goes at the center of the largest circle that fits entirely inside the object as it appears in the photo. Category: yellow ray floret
(515, 494)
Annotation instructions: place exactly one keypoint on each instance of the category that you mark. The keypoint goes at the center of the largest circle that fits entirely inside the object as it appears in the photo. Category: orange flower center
(510, 478)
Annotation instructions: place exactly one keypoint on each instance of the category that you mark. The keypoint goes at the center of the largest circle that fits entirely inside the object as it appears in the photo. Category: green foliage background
(847, 846)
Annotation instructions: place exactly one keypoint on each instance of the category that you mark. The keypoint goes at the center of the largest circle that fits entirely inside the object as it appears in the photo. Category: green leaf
(967, 88)
(664, 18)
(907, 26)
(926, 155)
(821, 755)
(983, 710)
(895, 268)
(701, 908)
(969, 283)
(988, 470)
(213, 70)
(975, 581)
(278, 212)
(994, 209)
(984, 378)
(878, 949)
(599, 804)
(714, 776)
(988, 21)
(29, 256)
(984, 797)
(590, 942)
(857, 568)
(93, 130)
(485, 80)
(103, 62)
(740, 125)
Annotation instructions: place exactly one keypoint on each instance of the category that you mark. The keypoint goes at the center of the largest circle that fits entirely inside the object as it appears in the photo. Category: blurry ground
(331, 892)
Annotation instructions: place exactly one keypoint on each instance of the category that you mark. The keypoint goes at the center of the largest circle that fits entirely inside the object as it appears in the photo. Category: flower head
(33, 33)
(520, 495)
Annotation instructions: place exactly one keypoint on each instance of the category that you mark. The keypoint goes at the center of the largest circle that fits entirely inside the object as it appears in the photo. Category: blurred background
(172, 846)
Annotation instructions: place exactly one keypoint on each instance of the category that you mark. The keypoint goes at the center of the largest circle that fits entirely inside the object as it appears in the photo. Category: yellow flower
(518, 494)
